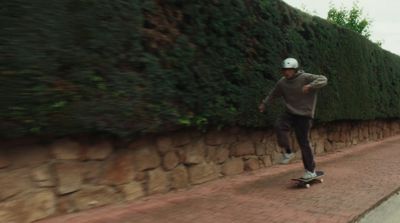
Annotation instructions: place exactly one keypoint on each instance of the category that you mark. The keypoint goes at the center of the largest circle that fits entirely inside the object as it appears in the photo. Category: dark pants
(301, 126)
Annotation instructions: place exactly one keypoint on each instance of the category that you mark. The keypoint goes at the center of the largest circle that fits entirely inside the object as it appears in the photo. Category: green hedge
(127, 67)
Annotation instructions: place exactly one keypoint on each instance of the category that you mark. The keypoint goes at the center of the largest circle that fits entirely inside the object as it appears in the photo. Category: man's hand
(307, 88)
(261, 107)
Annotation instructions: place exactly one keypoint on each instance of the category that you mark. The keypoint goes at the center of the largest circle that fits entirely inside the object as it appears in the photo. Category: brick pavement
(357, 179)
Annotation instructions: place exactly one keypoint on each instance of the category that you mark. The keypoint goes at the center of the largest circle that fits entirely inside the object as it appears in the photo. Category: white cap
(289, 63)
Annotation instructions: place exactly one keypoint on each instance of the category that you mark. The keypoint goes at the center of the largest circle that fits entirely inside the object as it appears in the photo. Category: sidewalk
(356, 180)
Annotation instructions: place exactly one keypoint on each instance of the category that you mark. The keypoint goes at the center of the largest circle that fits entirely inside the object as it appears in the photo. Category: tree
(352, 19)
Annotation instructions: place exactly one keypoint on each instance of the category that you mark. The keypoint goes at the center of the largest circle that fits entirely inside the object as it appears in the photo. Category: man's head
(289, 67)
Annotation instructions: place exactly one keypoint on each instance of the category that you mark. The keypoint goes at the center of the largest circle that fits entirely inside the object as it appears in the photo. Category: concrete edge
(377, 204)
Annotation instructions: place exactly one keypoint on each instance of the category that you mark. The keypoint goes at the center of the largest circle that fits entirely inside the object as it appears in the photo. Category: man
(299, 91)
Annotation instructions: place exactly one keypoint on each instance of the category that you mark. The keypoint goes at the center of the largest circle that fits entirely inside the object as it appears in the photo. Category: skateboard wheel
(322, 180)
(307, 185)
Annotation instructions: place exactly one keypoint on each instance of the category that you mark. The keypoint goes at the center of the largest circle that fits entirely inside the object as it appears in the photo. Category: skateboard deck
(307, 183)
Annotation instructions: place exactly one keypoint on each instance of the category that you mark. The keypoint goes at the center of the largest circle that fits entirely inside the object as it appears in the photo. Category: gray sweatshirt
(297, 102)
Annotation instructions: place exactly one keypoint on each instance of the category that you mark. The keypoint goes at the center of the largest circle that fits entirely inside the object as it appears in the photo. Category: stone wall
(41, 179)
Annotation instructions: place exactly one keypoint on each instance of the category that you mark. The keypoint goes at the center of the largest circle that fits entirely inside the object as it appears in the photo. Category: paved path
(356, 179)
(387, 212)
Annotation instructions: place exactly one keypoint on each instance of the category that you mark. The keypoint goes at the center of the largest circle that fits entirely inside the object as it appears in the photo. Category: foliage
(128, 67)
(352, 19)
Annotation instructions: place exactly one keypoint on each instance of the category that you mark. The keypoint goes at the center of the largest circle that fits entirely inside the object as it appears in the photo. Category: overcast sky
(384, 15)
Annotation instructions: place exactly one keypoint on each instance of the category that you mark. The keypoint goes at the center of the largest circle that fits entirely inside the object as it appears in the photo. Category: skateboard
(307, 183)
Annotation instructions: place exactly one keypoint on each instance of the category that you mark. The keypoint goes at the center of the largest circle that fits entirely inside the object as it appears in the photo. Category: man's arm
(274, 93)
(316, 81)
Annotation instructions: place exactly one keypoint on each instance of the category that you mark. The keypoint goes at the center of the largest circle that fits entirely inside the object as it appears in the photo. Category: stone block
(65, 205)
(164, 144)
(203, 172)
(194, 152)
(132, 190)
(233, 166)
(28, 156)
(222, 154)
(91, 171)
(257, 137)
(12, 212)
(94, 196)
(42, 177)
(261, 149)
(40, 205)
(69, 177)
(252, 164)
(145, 158)
(29, 208)
(319, 146)
(216, 138)
(329, 146)
(4, 160)
(181, 139)
(266, 160)
(99, 151)
(158, 181)
(170, 160)
(179, 177)
(67, 149)
(13, 183)
(276, 157)
(211, 152)
(119, 169)
(243, 148)
(271, 145)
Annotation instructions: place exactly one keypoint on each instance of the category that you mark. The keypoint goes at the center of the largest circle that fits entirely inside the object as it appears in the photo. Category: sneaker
(287, 157)
(309, 175)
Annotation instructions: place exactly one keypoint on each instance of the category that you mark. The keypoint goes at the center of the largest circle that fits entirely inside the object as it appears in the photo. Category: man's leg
(302, 126)
(282, 129)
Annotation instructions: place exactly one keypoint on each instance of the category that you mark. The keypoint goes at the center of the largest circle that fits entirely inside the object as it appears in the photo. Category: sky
(384, 14)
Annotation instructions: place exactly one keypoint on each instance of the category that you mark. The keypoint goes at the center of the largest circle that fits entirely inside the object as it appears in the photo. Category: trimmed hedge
(127, 67)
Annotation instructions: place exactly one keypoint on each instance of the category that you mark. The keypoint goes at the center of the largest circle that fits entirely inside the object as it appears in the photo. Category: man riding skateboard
(299, 91)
